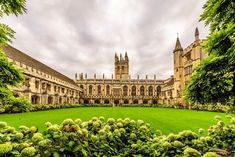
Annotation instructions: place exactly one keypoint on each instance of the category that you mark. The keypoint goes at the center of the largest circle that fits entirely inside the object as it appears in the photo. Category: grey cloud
(82, 36)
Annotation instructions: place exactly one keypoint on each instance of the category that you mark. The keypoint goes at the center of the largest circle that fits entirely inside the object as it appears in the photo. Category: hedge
(115, 137)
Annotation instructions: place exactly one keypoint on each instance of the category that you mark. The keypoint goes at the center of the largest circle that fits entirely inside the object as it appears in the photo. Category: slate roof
(21, 57)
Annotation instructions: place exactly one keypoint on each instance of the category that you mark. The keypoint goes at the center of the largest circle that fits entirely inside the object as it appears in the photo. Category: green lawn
(167, 120)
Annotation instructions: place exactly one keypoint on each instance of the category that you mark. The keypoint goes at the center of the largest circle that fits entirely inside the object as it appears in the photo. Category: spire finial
(178, 46)
(196, 34)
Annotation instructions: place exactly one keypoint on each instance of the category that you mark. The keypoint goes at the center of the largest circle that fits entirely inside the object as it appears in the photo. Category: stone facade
(124, 90)
(185, 61)
(42, 84)
(47, 86)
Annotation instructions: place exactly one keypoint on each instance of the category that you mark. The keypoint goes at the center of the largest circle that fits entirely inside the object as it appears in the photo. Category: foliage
(214, 79)
(111, 137)
(10, 76)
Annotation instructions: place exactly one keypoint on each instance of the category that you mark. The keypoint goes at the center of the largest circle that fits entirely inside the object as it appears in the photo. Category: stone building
(185, 61)
(47, 86)
(123, 90)
(42, 85)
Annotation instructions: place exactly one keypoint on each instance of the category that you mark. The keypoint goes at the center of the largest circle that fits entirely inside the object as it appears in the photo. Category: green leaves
(28, 142)
(9, 75)
(15, 7)
(6, 34)
(214, 79)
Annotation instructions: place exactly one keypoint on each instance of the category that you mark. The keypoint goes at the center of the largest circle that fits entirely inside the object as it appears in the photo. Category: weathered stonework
(42, 84)
(124, 90)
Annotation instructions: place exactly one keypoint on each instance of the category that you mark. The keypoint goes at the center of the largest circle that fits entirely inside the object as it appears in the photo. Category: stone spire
(126, 57)
(196, 34)
(116, 57)
(178, 46)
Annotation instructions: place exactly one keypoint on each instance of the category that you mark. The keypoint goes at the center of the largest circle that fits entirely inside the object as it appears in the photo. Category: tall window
(36, 84)
(99, 89)
(158, 91)
(125, 91)
(150, 91)
(142, 90)
(107, 90)
(133, 91)
(90, 89)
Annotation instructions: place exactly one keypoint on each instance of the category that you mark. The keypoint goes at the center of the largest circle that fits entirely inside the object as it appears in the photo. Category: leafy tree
(214, 79)
(9, 75)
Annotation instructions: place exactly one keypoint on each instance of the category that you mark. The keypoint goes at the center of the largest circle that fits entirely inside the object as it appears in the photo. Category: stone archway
(116, 102)
(35, 99)
(145, 101)
(97, 101)
(135, 101)
(126, 101)
(106, 101)
(50, 100)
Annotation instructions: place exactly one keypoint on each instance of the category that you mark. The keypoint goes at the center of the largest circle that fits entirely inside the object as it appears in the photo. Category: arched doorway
(126, 101)
(86, 101)
(97, 101)
(145, 101)
(155, 101)
(116, 102)
(106, 101)
(35, 99)
(135, 101)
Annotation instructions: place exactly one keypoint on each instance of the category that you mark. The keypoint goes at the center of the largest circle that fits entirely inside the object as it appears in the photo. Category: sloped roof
(23, 58)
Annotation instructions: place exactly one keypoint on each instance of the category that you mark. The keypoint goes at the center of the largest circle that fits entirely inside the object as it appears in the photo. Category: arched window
(118, 68)
(133, 91)
(158, 91)
(150, 91)
(142, 90)
(99, 89)
(125, 91)
(122, 68)
(107, 90)
(90, 89)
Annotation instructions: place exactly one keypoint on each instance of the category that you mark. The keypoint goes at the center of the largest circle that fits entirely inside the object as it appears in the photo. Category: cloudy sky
(83, 35)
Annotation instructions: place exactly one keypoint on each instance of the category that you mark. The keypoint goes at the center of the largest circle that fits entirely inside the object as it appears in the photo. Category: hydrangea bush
(115, 137)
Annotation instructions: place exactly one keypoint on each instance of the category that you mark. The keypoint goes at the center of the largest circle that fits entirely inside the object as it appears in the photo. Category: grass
(165, 119)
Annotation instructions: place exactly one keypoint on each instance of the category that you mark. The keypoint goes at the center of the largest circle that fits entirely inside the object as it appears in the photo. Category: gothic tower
(178, 69)
(121, 67)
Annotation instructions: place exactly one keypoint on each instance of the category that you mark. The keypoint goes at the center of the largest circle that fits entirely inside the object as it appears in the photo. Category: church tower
(121, 67)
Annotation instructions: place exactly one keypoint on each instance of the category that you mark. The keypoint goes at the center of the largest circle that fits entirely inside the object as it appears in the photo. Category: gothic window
(122, 68)
(150, 91)
(142, 90)
(133, 91)
(125, 90)
(118, 68)
(90, 89)
(27, 80)
(107, 90)
(158, 91)
(36, 84)
(48, 87)
(99, 89)
(55, 88)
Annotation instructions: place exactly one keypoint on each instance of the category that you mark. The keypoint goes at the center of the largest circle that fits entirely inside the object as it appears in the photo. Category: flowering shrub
(114, 137)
